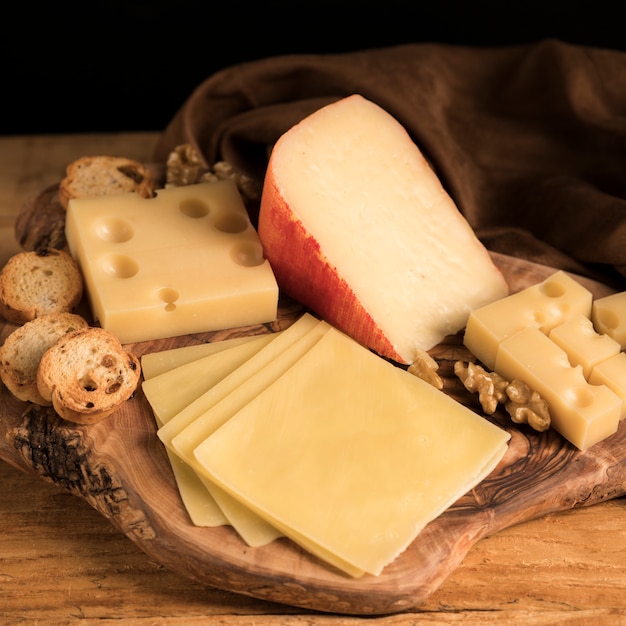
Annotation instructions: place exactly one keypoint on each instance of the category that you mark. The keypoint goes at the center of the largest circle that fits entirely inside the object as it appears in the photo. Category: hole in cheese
(247, 254)
(169, 296)
(231, 223)
(552, 289)
(580, 396)
(194, 208)
(120, 266)
(114, 230)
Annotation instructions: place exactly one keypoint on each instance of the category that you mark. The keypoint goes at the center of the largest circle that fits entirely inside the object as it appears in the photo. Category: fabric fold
(529, 139)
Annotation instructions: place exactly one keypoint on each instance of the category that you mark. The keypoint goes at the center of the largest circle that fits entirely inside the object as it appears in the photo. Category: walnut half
(524, 405)
(185, 166)
(425, 367)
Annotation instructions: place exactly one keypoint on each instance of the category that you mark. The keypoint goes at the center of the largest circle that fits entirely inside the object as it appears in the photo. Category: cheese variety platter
(303, 428)
(121, 468)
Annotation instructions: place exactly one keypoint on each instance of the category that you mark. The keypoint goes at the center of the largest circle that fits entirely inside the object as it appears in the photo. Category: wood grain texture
(120, 468)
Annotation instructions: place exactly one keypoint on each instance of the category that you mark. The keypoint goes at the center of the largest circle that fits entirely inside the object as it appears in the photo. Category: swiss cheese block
(358, 227)
(609, 316)
(557, 299)
(583, 413)
(345, 468)
(612, 373)
(183, 262)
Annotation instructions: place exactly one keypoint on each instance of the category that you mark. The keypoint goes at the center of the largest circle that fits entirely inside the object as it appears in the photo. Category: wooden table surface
(62, 562)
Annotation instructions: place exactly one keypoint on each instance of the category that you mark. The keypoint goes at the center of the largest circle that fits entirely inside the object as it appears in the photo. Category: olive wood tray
(121, 469)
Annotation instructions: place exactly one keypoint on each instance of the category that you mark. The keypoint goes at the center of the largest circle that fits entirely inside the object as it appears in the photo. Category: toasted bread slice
(22, 350)
(104, 175)
(87, 375)
(38, 282)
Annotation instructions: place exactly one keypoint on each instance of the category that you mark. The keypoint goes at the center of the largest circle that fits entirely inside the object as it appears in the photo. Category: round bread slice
(104, 175)
(38, 282)
(87, 375)
(22, 350)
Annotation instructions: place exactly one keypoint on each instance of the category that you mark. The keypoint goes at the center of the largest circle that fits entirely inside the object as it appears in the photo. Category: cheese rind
(583, 413)
(354, 471)
(609, 316)
(183, 262)
(557, 299)
(358, 227)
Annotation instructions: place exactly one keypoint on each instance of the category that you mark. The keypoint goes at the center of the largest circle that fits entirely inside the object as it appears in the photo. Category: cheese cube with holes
(609, 316)
(185, 261)
(358, 227)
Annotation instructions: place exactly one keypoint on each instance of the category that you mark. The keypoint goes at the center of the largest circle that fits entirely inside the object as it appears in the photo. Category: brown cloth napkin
(530, 140)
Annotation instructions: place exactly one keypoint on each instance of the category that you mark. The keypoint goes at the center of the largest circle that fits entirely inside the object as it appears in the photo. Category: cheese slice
(254, 530)
(250, 380)
(200, 505)
(186, 261)
(155, 363)
(358, 227)
(219, 359)
(349, 454)
(170, 392)
(229, 383)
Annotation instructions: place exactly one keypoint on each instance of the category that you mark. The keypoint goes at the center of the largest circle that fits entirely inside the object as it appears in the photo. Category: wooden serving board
(120, 467)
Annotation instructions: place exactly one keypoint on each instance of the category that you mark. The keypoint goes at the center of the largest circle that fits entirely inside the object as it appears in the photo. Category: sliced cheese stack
(358, 227)
(545, 337)
(321, 440)
(173, 378)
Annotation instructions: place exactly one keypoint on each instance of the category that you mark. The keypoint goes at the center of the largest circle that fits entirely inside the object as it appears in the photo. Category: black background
(119, 66)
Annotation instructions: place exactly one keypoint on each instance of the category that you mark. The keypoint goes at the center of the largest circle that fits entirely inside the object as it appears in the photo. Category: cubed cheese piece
(557, 299)
(344, 468)
(358, 227)
(186, 261)
(583, 413)
(609, 316)
(612, 373)
(583, 345)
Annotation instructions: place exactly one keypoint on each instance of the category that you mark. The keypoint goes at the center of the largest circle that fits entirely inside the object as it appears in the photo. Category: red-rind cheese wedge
(357, 227)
